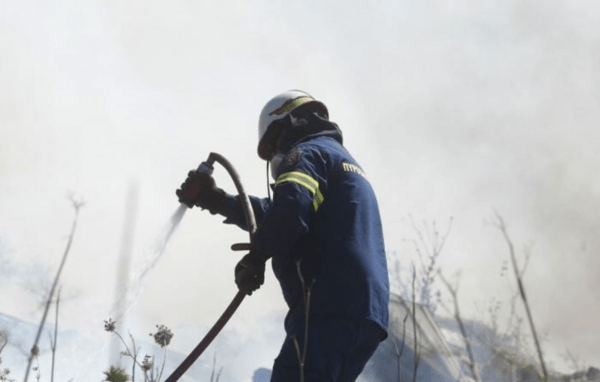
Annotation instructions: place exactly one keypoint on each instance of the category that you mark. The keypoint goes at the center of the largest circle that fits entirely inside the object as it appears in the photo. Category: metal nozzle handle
(241, 247)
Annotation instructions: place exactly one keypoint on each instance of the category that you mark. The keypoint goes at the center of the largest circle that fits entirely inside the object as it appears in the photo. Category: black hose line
(248, 212)
(239, 297)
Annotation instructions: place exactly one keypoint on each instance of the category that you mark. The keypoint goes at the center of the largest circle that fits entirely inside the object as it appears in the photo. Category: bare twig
(76, 205)
(430, 243)
(134, 356)
(212, 374)
(3, 340)
(128, 352)
(38, 373)
(398, 356)
(527, 252)
(399, 352)
(502, 227)
(162, 368)
(414, 318)
(417, 362)
(53, 342)
(512, 335)
(472, 365)
(151, 373)
(306, 292)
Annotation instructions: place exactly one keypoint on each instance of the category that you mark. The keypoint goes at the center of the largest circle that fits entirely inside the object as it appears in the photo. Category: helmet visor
(267, 147)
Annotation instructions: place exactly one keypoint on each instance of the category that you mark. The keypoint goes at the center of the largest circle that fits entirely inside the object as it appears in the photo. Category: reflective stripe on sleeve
(305, 181)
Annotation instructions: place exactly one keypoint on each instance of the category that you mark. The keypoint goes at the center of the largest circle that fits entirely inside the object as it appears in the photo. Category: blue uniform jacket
(325, 214)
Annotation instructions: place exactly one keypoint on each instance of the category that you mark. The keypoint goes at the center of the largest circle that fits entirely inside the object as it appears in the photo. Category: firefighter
(322, 231)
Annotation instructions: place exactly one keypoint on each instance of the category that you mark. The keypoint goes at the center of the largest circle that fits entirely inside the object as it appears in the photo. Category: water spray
(207, 167)
(130, 294)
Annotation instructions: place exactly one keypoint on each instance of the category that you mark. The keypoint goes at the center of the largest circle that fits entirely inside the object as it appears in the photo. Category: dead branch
(212, 374)
(414, 318)
(453, 291)
(399, 352)
(429, 242)
(162, 367)
(53, 341)
(502, 227)
(134, 356)
(432, 237)
(3, 340)
(77, 204)
(527, 252)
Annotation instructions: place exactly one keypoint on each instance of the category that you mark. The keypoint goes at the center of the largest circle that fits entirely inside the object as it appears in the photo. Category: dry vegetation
(505, 360)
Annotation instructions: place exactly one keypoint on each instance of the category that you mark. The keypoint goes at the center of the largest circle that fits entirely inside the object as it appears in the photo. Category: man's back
(343, 250)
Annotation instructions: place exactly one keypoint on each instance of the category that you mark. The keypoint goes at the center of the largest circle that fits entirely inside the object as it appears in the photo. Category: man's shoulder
(337, 157)
(313, 156)
(322, 145)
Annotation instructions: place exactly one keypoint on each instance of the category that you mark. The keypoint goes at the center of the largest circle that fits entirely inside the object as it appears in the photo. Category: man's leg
(323, 354)
(338, 347)
(369, 336)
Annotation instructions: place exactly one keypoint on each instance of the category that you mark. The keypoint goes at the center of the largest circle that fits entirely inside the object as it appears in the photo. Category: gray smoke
(453, 108)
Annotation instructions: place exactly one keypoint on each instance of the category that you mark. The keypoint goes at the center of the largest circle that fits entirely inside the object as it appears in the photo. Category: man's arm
(234, 212)
(297, 197)
(286, 220)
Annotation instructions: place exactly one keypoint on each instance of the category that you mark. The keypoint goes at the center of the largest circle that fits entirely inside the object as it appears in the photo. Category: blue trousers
(338, 349)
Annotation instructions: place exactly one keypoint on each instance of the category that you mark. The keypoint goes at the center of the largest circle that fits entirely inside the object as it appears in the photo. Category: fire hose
(207, 167)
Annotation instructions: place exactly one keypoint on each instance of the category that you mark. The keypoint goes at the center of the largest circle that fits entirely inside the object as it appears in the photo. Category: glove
(250, 273)
(199, 189)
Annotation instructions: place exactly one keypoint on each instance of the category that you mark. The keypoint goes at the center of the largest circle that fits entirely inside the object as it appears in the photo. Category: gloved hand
(199, 189)
(250, 273)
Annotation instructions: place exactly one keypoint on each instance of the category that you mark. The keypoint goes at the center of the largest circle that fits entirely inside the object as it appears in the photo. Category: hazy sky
(454, 109)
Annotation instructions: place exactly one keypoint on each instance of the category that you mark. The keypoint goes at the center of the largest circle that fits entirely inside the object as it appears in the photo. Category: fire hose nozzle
(206, 167)
(190, 190)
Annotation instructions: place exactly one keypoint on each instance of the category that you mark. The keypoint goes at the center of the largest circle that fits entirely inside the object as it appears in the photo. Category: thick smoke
(453, 108)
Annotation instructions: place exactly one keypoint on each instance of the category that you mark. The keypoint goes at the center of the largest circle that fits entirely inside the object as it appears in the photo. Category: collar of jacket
(305, 127)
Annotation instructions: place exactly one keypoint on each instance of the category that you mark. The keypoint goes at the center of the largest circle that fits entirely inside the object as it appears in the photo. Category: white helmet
(278, 108)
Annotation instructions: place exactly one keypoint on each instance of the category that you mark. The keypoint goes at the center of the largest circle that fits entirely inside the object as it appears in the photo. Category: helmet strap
(268, 185)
